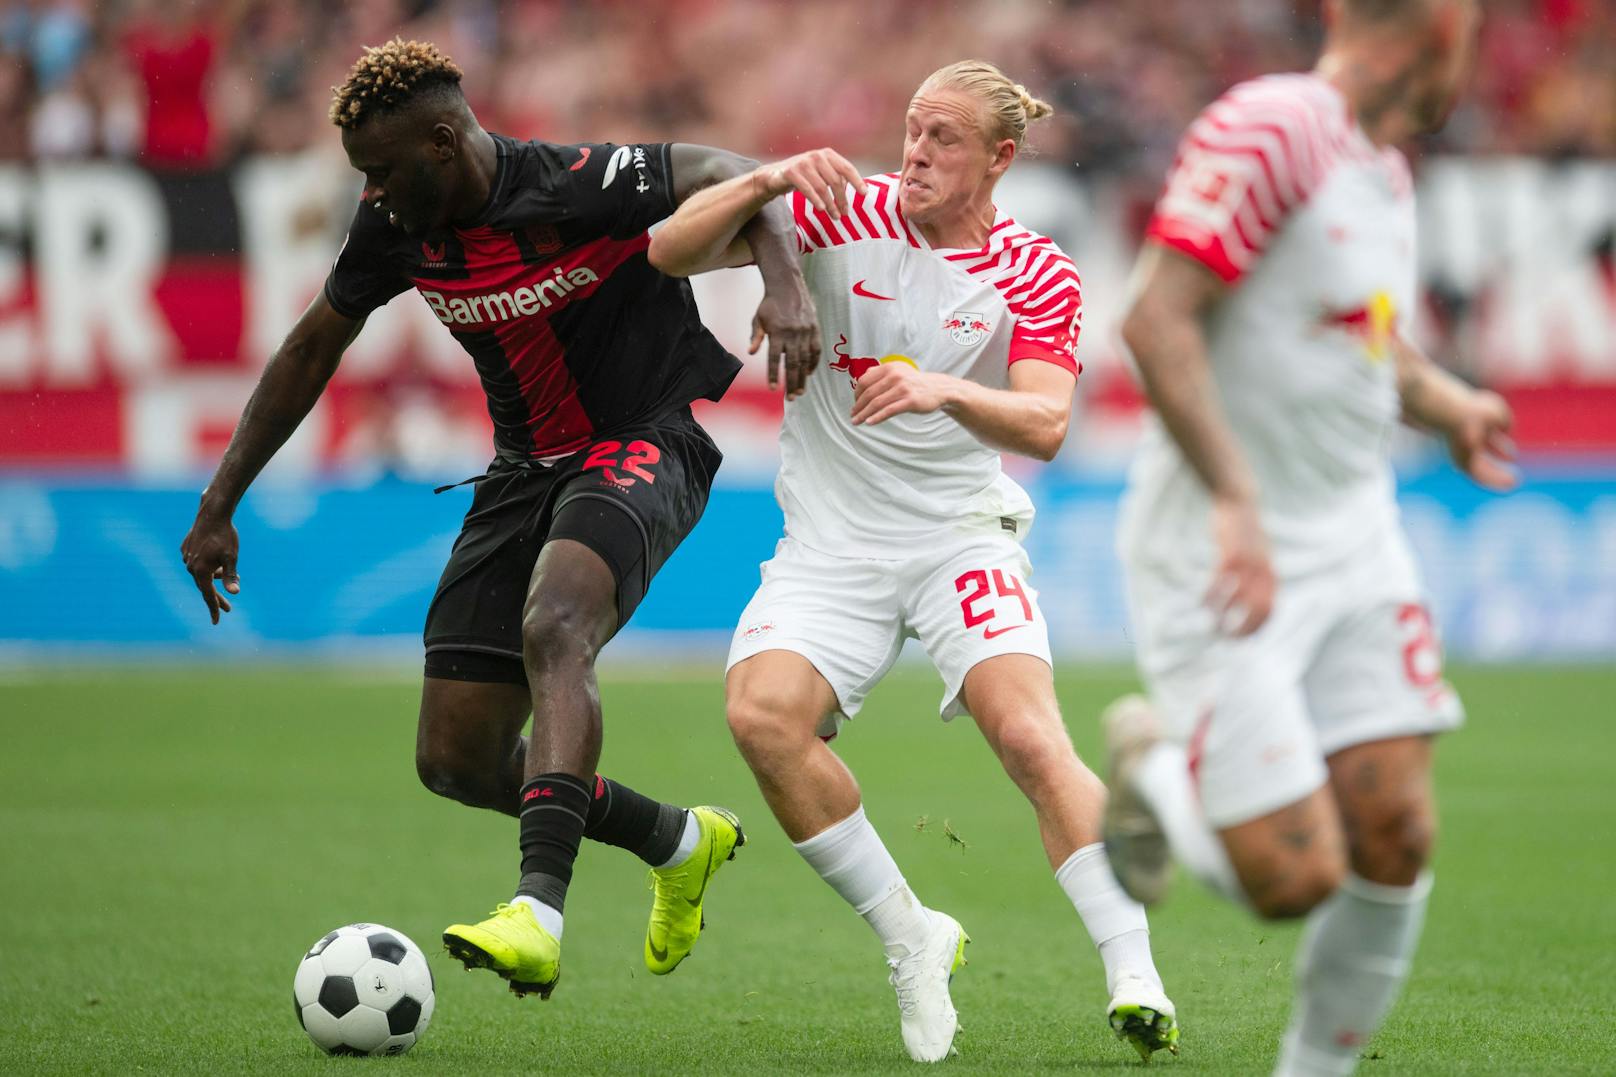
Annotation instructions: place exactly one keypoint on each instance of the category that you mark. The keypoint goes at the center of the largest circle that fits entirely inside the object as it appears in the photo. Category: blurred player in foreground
(533, 255)
(953, 330)
(1294, 675)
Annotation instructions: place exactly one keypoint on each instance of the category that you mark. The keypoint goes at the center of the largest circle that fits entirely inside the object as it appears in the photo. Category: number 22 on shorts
(642, 454)
(1004, 584)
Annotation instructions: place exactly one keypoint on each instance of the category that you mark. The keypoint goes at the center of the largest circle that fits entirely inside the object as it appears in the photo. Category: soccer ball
(364, 989)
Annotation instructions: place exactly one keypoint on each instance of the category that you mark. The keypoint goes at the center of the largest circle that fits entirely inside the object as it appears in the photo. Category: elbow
(1050, 438)
(664, 257)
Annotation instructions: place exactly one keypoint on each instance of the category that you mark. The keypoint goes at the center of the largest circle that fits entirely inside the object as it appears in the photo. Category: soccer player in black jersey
(534, 256)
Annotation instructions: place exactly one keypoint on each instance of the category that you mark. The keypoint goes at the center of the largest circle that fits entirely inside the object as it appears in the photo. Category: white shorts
(966, 599)
(1347, 657)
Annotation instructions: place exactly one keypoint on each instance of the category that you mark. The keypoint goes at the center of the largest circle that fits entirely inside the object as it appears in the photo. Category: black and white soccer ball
(364, 989)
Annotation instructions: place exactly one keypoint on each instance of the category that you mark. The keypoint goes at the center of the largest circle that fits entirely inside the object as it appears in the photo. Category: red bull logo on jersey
(856, 366)
(516, 303)
(967, 327)
(1373, 324)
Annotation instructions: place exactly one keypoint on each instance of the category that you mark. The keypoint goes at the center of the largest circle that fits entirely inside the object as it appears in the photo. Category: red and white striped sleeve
(1046, 301)
(1247, 162)
(874, 215)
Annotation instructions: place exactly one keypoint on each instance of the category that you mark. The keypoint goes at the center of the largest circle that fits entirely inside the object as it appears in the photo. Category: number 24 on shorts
(1004, 584)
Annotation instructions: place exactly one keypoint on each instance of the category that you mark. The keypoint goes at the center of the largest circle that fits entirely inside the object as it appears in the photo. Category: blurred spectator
(196, 82)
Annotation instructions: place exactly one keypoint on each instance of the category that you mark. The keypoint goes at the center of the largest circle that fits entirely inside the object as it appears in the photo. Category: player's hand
(1480, 441)
(1242, 593)
(821, 175)
(895, 388)
(210, 554)
(788, 319)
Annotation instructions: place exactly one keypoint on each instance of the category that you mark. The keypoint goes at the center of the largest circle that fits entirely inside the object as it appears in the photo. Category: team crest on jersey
(966, 327)
(432, 254)
(544, 237)
(1374, 324)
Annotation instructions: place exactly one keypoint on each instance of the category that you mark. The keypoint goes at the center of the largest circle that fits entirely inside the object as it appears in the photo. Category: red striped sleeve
(1048, 309)
(1250, 160)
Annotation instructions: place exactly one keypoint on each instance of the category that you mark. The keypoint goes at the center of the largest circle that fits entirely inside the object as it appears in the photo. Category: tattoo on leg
(1296, 839)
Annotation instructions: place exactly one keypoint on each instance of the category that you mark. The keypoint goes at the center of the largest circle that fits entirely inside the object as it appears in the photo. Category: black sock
(647, 828)
(554, 807)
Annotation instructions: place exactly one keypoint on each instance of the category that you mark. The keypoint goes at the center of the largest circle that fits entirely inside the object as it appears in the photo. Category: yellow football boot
(676, 918)
(512, 943)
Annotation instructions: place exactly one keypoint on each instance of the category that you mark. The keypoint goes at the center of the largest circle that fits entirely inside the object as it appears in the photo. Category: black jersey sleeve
(365, 275)
(619, 191)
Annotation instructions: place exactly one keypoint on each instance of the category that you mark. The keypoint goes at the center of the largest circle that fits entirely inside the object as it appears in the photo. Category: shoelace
(908, 981)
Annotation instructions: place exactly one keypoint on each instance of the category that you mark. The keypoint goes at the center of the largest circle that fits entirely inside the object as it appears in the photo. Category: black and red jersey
(550, 292)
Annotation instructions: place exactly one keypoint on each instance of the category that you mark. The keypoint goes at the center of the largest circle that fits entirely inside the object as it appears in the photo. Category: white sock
(548, 916)
(850, 857)
(1163, 779)
(1354, 957)
(1115, 921)
(687, 841)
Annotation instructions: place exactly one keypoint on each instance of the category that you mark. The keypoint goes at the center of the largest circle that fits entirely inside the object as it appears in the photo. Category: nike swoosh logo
(706, 877)
(582, 160)
(661, 952)
(990, 633)
(860, 290)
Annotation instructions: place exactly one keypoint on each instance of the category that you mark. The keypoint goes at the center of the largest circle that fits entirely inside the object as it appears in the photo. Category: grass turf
(171, 842)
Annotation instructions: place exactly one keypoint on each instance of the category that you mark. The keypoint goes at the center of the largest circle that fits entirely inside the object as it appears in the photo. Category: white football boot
(1134, 840)
(926, 1013)
(1142, 1015)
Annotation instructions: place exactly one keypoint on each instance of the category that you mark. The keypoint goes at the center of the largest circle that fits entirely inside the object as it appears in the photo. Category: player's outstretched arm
(729, 215)
(1163, 329)
(1475, 422)
(291, 383)
(709, 229)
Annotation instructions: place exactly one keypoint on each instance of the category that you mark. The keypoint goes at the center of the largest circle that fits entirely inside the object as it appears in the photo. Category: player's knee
(557, 632)
(1297, 890)
(1395, 844)
(447, 774)
(762, 726)
(1036, 754)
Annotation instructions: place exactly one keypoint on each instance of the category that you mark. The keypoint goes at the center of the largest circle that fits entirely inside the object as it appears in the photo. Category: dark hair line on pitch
(390, 77)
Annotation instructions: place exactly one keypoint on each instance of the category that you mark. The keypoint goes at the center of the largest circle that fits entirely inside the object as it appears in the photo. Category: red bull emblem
(1373, 324)
(856, 366)
(966, 327)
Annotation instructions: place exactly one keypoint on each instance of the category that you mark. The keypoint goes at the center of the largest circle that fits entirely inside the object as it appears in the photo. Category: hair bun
(1034, 108)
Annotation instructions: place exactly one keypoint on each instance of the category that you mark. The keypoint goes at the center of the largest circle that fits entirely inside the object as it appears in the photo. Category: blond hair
(1010, 108)
(388, 77)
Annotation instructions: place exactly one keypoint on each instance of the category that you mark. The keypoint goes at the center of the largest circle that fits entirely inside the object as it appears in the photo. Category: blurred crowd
(186, 84)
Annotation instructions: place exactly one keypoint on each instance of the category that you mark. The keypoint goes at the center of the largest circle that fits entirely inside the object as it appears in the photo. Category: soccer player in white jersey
(1294, 677)
(952, 330)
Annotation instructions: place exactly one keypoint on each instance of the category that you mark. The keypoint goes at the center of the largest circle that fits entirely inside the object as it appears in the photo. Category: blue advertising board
(92, 568)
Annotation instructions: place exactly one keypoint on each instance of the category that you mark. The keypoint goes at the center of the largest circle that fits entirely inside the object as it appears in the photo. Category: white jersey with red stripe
(1279, 192)
(884, 295)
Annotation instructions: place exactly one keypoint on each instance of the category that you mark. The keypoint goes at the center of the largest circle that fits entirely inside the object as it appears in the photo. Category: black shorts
(631, 496)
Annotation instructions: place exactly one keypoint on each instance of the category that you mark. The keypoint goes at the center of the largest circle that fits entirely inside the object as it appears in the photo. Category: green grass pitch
(171, 842)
